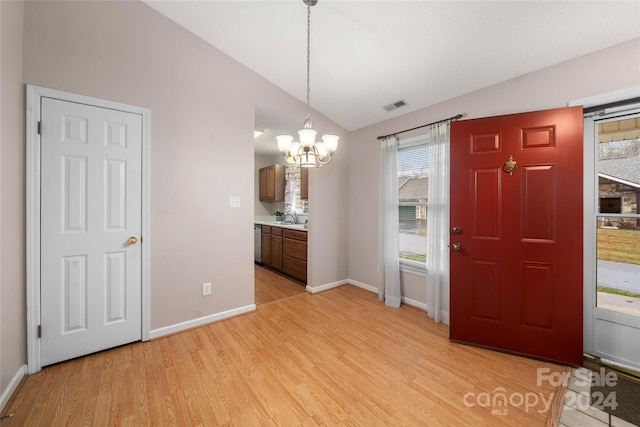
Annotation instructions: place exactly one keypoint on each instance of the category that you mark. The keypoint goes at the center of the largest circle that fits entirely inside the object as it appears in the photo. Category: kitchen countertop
(299, 227)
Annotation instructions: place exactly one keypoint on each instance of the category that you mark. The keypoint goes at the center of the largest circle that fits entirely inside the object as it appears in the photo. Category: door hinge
(39, 128)
(39, 331)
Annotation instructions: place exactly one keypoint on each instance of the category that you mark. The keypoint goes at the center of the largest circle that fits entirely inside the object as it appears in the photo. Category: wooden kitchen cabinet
(294, 254)
(266, 245)
(285, 250)
(272, 247)
(304, 183)
(271, 180)
(276, 248)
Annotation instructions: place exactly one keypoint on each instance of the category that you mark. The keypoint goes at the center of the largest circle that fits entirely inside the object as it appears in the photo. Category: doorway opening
(271, 286)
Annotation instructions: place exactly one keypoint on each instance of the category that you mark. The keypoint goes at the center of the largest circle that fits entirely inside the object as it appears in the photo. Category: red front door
(516, 237)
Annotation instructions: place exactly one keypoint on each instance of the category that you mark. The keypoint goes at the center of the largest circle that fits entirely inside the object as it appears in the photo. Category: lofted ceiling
(368, 54)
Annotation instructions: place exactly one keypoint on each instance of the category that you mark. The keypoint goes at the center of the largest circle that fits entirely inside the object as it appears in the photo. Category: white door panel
(91, 205)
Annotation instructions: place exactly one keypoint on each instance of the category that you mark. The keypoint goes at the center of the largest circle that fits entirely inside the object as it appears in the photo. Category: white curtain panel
(438, 220)
(389, 261)
(289, 191)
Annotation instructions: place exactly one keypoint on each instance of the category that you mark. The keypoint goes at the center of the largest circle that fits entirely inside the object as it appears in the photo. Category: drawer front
(266, 229)
(276, 231)
(294, 248)
(295, 234)
(294, 268)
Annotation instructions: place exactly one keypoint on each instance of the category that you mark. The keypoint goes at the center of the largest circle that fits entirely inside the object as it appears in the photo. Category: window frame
(406, 265)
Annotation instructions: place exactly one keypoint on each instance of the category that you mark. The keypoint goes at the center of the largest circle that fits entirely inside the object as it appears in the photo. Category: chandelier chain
(308, 152)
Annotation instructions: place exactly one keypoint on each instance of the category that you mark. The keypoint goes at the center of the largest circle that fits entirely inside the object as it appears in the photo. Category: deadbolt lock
(456, 230)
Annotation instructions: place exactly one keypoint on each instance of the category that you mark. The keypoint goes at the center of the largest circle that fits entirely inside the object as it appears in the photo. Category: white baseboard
(13, 385)
(405, 300)
(414, 303)
(363, 286)
(315, 289)
(189, 324)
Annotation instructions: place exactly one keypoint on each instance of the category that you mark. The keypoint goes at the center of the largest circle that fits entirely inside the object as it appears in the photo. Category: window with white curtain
(413, 166)
(292, 200)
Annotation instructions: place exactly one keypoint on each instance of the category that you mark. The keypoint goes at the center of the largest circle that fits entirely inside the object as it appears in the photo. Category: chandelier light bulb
(307, 137)
(289, 159)
(284, 142)
(331, 143)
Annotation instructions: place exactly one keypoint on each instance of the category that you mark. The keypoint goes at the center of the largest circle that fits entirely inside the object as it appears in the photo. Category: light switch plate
(206, 289)
(234, 202)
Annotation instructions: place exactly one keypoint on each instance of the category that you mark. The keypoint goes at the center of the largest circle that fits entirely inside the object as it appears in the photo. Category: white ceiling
(366, 54)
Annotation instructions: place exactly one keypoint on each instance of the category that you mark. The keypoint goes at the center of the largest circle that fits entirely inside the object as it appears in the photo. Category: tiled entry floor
(577, 410)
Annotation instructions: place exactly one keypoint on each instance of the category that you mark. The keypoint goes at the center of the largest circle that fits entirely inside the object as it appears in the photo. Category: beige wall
(202, 112)
(13, 348)
(126, 52)
(202, 118)
(611, 69)
(2, 387)
(328, 216)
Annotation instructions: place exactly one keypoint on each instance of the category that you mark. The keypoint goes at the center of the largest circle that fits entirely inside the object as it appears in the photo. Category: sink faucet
(293, 215)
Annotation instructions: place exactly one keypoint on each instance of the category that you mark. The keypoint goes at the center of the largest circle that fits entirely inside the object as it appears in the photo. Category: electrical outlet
(206, 289)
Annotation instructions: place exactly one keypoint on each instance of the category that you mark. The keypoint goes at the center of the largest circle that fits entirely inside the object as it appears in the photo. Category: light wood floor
(271, 286)
(336, 358)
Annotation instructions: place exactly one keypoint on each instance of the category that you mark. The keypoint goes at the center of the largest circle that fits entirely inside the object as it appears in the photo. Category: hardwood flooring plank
(336, 358)
(271, 286)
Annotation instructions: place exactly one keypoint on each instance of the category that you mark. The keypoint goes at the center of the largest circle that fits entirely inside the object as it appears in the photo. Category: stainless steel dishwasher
(257, 243)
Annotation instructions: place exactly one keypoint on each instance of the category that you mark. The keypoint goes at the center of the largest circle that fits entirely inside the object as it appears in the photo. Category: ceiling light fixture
(308, 152)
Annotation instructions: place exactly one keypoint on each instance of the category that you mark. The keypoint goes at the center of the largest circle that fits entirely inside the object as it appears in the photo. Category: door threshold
(594, 363)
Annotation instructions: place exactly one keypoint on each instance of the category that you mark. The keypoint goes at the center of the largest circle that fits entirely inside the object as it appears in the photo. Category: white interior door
(612, 237)
(90, 281)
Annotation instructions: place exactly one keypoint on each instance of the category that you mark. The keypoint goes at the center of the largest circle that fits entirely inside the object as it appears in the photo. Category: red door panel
(516, 282)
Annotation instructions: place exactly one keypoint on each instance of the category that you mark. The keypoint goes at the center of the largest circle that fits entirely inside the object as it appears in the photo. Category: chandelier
(308, 152)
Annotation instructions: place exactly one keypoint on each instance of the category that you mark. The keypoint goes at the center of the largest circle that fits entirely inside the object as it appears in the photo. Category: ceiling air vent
(395, 105)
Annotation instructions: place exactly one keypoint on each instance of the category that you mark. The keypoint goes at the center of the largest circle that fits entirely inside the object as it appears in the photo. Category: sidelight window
(413, 165)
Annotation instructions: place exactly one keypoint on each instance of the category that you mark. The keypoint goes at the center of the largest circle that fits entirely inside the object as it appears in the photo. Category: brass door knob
(456, 230)
(456, 247)
(132, 240)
